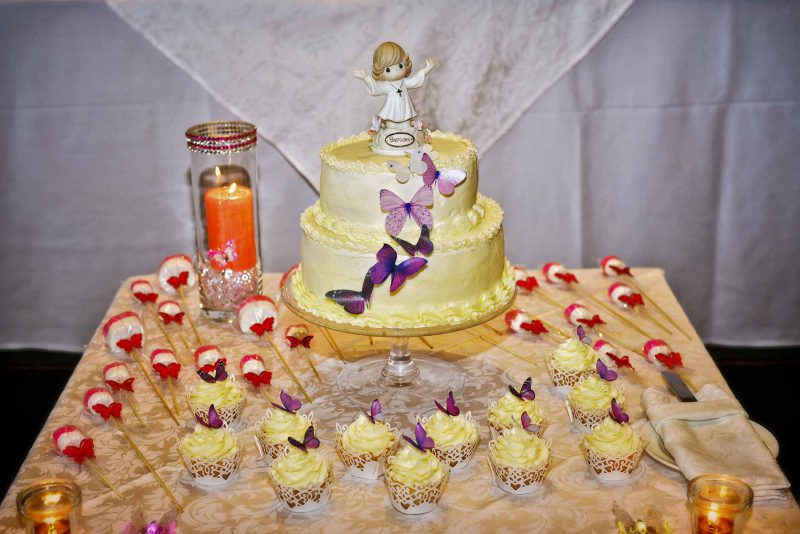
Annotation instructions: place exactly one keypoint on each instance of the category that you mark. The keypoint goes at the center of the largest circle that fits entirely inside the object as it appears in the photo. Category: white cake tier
(352, 177)
(466, 275)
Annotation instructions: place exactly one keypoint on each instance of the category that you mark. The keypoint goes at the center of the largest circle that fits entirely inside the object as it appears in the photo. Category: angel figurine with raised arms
(395, 131)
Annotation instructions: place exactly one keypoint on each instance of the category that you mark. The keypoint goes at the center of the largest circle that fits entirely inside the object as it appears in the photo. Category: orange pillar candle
(229, 217)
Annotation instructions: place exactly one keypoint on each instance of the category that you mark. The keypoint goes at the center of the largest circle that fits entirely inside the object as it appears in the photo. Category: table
(571, 501)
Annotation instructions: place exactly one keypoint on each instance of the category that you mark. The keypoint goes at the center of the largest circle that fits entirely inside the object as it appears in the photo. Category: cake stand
(396, 378)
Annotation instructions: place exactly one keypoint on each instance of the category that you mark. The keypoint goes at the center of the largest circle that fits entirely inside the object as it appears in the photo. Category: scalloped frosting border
(435, 316)
(461, 160)
(479, 226)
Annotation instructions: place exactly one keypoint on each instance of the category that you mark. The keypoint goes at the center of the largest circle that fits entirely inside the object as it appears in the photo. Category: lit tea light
(50, 506)
(719, 504)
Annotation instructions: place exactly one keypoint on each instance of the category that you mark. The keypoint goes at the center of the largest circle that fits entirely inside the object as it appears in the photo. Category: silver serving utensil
(678, 387)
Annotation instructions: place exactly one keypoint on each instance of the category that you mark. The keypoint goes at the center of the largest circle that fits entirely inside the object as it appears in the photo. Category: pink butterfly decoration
(447, 180)
(399, 210)
(223, 257)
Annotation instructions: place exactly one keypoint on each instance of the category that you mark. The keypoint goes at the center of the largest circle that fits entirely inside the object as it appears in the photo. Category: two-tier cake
(404, 240)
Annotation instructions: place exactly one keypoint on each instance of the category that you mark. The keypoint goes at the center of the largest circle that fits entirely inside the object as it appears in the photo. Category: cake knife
(678, 386)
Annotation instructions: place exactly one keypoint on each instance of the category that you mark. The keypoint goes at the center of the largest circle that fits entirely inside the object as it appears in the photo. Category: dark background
(762, 379)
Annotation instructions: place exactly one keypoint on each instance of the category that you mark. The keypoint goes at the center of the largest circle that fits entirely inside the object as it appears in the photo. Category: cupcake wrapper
(613, 468)
(517, 480)
(272, 449)
(457, 457)
(586, 420)
(564, 379)
(304, 500)
(230, 415)
(414, 500)
(214, 472)
(366, 466)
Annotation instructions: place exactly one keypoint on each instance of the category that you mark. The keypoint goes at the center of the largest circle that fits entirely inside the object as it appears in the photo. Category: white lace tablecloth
(571, 500)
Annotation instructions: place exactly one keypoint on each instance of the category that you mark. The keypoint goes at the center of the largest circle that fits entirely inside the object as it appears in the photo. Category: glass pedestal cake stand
(397, 378)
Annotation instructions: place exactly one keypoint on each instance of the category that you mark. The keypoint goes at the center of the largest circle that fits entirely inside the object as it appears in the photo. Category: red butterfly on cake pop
(130, 344)
(263, 327)
(180, 280)
(535, 327)
(530, 283)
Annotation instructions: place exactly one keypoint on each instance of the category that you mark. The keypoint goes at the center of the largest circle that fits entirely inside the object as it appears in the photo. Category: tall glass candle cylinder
(51, 506)
(225, 202)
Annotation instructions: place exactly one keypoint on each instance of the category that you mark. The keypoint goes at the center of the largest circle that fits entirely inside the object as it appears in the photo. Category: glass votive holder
(719, 504)
(50, 506)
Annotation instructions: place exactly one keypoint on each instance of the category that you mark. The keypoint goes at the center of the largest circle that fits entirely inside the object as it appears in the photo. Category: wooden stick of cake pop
(625, 298)
(493, 329)
(530, 284)
(189, 316)
(371, 341)
(618, 315)
(332, 343)
(144, 459)
(167, 336)
(174, 273)
(298, 337)
(170, 312)
(99, 401)
(165, 363)
(142, 290)
(426, 342)
(501, 347)
(137, 358)
(612, 266)
(117, 376)
(72, 443)
(288, 369)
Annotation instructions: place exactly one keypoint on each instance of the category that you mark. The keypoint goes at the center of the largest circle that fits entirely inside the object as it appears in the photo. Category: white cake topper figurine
(391, 76)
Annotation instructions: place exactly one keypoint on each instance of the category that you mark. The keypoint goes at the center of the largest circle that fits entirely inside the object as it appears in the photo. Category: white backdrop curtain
(672, 144)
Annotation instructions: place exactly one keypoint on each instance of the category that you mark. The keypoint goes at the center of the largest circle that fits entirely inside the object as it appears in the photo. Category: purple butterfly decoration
(586, 340)
(451, 409)
(527, 424)
(399, 210)
(374, 411)
(421, 440)
(387, 257)
(290, 405)
(310, 441)
(605, 373)
(220, 374)
(617, 414)
(447, 180)
(354, 302)
(214, 420)
(424, 244)
(525, 392)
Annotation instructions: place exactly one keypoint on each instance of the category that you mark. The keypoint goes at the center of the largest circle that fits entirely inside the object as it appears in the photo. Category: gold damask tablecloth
(571, 501)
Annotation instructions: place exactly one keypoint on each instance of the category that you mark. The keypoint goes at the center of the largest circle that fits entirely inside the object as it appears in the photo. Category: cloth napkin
(714, 435)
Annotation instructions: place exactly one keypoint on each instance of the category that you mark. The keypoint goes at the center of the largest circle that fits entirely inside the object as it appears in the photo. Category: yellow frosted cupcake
(507, 412)
(212, 455)
(519, 461)
(365, 443)
(590, 398)
(613, 449)
(302, 477)
(455, 434)
(569, 362)
(280, 424)
(221, 390)
(414, 476)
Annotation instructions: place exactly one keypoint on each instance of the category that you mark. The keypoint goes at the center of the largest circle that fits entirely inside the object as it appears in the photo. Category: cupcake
(414, 475)
(302, 476)
(212, 454)
(589, 399)
(506, 412)
(613, 448)
(455, 435)
(280, 424)
(569, 362)
(519, 461)
(365, 443)
(219, 389)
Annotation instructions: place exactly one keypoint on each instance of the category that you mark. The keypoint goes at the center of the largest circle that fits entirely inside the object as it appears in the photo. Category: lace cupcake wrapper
(613, 467)
(230, 415)
(214, 472)
(586, 420)
(518, 480)
(303, 500)
(564, 379)
(457, 457)
(366, 466)
(415, 500)
(272, 449)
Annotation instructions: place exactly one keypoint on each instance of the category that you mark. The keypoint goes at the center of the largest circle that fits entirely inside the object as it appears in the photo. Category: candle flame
(232, 188)
(217, 171)
(713, 515)
(50, 499)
